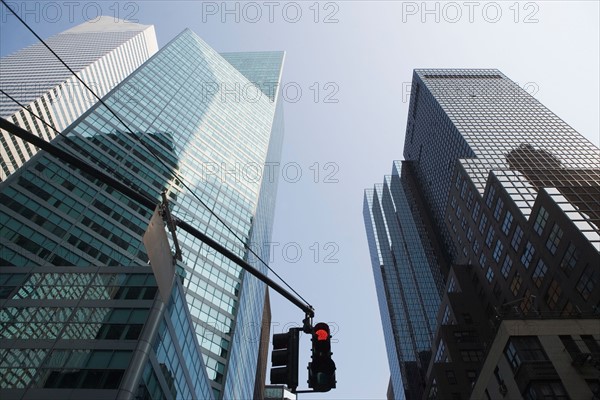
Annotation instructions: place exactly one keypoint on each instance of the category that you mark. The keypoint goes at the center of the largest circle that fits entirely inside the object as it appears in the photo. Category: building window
(508, 218)
(489, 275)
(482, 260)
(433, 392)
(475, 212)
(440, 355)
(515, 285)
(452, 287)
(453, 202)
(498, 209)
(458, 212)
(527, 255)
(516, 239)
(490, 196)
(540, 221)
(476, 246)
(523, 348)
(587, 281)
(498, 250)
(554, 239)
(506, 266)
(553, 294)
(463, 190)
(469, 234)
(482, 223)
(546, 390)
(470, 199)
(510, 352)
(570, 259)
(539, 273)
(490, 237)
(447, 319)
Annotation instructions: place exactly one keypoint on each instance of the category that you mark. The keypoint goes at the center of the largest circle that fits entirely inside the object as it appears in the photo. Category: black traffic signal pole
(151, 204)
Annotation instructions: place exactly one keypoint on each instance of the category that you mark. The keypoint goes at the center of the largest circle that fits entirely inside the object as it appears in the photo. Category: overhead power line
(72, 142)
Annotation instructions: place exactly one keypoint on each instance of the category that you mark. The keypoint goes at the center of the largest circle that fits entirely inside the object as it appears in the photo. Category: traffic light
(321, 370)
(284, 358)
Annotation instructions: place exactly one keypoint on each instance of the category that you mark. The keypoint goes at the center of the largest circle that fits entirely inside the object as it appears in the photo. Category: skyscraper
(96, 332)
(203, 129)
(102, 53)
(511, 199)
(408, 280)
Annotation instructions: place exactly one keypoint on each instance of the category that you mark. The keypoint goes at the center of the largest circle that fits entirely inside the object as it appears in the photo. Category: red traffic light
(321, 369)
(322, 334)
(321, 331)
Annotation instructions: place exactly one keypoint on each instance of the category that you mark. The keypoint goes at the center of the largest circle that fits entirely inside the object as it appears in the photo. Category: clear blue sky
(361, 54)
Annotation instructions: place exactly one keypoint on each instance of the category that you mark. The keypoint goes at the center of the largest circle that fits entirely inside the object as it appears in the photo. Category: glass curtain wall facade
(102, 53)
(511, 187)
(96, 332)
(407, 279)
(194, 119)
(484, 123)
(510, 199)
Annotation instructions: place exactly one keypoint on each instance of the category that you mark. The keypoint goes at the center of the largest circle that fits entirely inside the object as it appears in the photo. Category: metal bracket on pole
(307, 323)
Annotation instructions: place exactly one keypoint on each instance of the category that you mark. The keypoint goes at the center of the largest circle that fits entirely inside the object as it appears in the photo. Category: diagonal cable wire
(67, 138)
(81, 149)
(181, 179)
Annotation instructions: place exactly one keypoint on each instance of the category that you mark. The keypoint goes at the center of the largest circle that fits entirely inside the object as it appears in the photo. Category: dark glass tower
(214, 124)
(511, 199)
(407, 277)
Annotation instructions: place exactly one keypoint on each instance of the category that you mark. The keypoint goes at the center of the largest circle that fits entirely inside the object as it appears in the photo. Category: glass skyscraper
(98, 332)
(488, 123)
(509, 198)
(102, 53)
(407, 277)
(210, 121)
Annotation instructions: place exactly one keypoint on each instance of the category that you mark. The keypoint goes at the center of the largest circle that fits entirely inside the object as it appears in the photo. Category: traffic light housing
(284, 358)
(321, 370)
